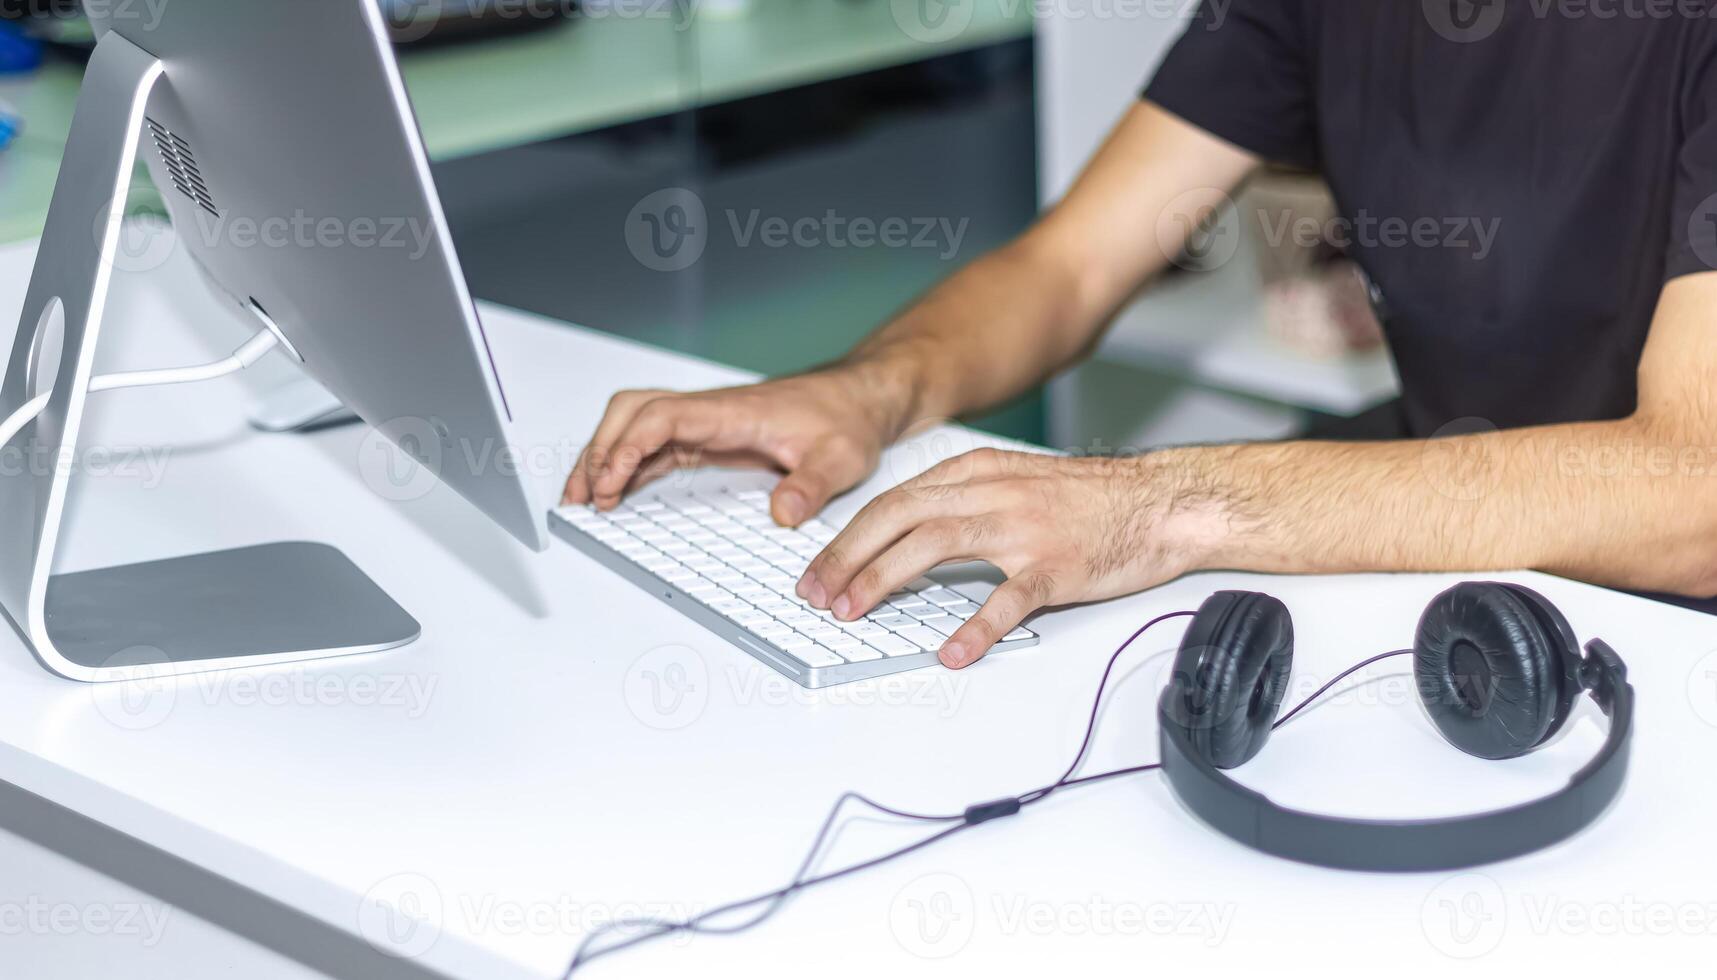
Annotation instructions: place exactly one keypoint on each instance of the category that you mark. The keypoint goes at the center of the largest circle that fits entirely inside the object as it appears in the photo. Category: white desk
(512, 768)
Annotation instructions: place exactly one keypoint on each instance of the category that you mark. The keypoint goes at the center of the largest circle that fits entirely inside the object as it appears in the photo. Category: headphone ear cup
(1231, 674)
(1492, 665)
(1565, 648)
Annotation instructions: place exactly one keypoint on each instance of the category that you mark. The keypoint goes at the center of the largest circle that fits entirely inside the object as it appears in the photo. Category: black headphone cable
(974, 815)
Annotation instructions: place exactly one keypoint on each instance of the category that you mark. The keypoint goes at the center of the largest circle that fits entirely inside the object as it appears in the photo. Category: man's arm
(1021, 314)
(992, 331)
(1629, 503)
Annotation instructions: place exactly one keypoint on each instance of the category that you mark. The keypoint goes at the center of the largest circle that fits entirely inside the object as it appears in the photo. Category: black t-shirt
(1518, 179)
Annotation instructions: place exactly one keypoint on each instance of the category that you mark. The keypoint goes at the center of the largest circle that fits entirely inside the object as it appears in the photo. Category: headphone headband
(1410, 845)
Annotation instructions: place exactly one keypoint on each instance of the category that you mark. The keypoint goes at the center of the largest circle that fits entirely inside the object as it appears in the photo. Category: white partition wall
(1091, 63)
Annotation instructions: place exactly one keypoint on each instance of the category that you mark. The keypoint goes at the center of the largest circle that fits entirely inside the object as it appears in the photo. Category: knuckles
(1038, 586)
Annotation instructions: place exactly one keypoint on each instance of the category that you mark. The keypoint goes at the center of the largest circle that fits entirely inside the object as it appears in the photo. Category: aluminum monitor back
(284, 143)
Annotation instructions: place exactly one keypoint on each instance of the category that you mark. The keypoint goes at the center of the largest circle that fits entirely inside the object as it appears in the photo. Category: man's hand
(826, 430)
(1063, 530)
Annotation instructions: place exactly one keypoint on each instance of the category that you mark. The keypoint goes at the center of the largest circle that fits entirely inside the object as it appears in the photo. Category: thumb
(830, 467)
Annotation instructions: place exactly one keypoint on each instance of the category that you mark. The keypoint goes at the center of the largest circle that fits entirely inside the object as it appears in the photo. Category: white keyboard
(718, 556)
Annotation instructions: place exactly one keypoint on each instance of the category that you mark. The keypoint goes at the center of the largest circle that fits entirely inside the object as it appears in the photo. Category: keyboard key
(724, 576)
(965, 610)
(772, 630)
(893, 646)
(840, 642)
(791, 642)
(660, 565)
(921, 584)
(733, 604)
(943, 597)
(801, 620)
(864, 630)
(822, 633)
(861, 654)
(1019, 633)
(777, 606)
(818, 656)
(920, 610)
(682, 576)
(946, 625)
(924, 636)
(583, 518)
(759, 497)
(752, 619)
(895, 621)
(700, 588)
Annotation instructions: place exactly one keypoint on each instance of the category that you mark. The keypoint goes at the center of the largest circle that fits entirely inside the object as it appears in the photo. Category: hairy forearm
(1628, 503)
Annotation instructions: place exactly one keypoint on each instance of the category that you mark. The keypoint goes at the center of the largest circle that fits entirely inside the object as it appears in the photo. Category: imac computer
(246, 112)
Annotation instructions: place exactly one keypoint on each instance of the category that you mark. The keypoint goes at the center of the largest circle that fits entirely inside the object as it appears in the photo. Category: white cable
(248, 354)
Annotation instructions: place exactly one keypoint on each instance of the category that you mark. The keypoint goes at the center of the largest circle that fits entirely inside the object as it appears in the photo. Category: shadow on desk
(456, 526)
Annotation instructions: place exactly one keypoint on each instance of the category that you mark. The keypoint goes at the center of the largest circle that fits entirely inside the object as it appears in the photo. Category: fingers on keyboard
(724, 551)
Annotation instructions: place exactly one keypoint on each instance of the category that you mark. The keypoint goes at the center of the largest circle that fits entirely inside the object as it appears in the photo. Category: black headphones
(1498, 670)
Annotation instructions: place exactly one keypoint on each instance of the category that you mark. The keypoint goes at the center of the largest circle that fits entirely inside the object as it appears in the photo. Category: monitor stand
(269, 604)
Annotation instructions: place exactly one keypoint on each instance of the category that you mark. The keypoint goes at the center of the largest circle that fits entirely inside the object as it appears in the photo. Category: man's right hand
(826, 430)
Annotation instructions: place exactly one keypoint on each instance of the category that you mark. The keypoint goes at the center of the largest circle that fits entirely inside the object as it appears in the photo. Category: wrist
(1199, 523)
(889, 387)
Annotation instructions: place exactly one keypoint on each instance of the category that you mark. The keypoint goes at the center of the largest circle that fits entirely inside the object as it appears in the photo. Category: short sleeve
(1241, 73)
(1693, 224)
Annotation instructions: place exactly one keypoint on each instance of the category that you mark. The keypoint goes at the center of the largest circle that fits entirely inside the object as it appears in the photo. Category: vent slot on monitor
(181, 164)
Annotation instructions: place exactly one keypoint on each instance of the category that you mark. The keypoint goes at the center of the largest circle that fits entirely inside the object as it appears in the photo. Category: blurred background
(762, 182)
